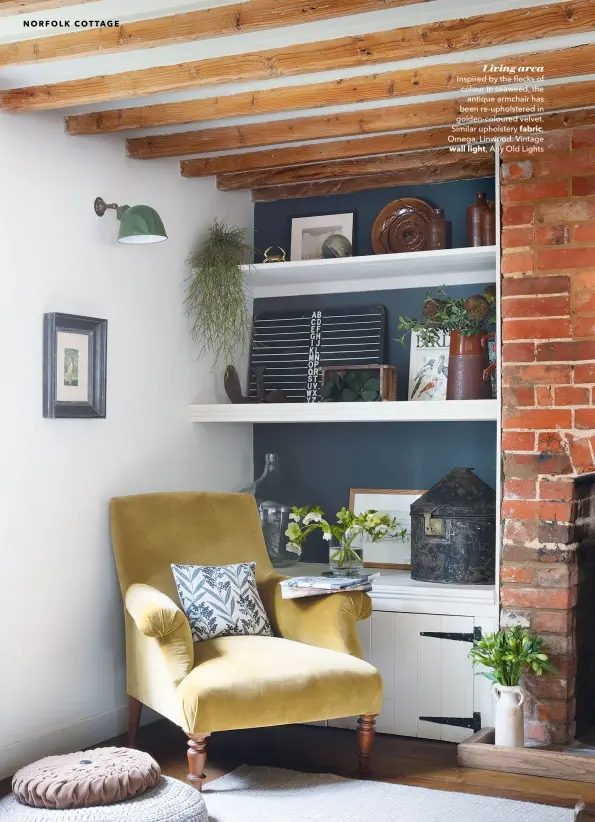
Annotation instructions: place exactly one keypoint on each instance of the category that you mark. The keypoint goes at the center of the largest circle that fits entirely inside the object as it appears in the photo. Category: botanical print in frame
(74, 366)
(387, 553)
(428, 369)
(309, 233)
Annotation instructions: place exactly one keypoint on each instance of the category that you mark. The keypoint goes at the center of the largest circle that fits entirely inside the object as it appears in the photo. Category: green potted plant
(508, 654)
(215, 298)
(353, 386)
(467, 322)
(345, 536)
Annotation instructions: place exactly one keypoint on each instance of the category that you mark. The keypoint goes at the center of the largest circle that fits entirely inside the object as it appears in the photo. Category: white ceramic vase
(510, 730)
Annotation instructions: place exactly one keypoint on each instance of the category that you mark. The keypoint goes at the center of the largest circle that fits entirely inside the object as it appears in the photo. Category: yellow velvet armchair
(310, 670)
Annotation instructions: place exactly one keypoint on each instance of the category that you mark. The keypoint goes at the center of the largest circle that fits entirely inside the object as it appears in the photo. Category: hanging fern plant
(216, 298)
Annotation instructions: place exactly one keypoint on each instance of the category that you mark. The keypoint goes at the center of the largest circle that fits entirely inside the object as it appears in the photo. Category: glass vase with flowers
(346, 537)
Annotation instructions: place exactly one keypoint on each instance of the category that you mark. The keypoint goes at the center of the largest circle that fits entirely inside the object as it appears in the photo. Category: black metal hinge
(475, 636)
(474, 723)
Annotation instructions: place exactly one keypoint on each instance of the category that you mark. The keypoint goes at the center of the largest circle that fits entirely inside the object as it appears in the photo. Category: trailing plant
(442, 314)
(510, 653)
(348, 527)
(351, 386)
(215, 298)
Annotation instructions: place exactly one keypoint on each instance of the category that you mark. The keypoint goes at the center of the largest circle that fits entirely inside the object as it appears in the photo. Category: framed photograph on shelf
(428, 369)
(389, 552)
(309, 233)
(74, 366)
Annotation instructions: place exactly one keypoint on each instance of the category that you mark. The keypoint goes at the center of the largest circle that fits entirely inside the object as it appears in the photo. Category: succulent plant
(432, 307)
(351, 386)
(489, 294)
(477, 307)
(443, 314)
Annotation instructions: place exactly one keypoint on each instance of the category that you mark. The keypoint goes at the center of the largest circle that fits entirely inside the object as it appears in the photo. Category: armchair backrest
(152, 531)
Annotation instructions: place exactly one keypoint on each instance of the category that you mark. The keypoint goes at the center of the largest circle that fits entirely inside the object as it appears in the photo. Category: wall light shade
(138, 224)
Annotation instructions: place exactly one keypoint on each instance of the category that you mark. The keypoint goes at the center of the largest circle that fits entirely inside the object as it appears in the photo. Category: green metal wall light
(139, 224)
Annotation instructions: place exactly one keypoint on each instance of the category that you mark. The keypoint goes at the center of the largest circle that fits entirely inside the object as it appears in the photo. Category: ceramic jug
(510, 731)
(469, 369)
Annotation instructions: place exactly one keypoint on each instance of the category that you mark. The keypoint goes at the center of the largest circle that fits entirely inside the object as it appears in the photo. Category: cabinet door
(424, 676)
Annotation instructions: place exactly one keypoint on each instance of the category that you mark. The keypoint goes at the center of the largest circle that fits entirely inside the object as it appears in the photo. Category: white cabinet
(419, 636)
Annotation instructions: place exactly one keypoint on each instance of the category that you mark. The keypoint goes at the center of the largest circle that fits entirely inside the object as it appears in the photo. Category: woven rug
(273, 795)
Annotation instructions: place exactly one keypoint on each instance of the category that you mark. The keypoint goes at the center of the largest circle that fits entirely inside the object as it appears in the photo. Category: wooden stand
(480, 752)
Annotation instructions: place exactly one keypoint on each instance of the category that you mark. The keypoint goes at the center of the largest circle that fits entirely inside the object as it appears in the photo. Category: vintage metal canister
(453, 531)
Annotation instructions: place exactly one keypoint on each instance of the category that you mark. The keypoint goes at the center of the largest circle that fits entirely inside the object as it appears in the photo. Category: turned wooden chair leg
(366, 731)
(197, 758)
(134, 711)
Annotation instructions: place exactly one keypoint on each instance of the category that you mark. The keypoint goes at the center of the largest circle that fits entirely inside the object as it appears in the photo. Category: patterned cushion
(221, 600)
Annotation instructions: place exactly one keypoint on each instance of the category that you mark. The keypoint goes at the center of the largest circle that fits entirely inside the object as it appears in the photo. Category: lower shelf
(440, 410)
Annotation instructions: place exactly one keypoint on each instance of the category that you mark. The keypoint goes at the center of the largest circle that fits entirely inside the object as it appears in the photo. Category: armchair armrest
(157, 617)
(327, 621)
(155, 614)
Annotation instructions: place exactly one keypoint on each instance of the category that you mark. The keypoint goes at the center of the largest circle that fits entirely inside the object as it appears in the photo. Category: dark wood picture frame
(96, 330)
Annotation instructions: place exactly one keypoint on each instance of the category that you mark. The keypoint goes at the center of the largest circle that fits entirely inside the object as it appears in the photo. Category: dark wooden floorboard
(422, 763)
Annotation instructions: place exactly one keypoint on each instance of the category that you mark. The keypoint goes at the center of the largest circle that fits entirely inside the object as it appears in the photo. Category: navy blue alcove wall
(320, 462)
(272, 221)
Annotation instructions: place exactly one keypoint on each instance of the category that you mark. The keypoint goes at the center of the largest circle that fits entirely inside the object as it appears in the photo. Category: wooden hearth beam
(26, 6)
(222, 21)
(386, 85)
(442, 37)
(342, 169)
(346, 149)
(395, 118)
(466, 170)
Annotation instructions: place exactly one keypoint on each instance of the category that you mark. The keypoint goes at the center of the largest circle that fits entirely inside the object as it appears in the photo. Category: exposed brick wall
(548, 396)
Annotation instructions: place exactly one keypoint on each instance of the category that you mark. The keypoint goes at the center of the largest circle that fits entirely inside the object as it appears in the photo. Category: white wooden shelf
(417, 269)
(439, 410)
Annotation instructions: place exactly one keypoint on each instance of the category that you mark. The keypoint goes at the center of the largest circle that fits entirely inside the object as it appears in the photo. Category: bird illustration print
(442, 368)
(423, 373)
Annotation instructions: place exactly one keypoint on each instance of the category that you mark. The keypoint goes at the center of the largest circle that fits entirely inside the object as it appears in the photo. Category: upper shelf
(437, 410)
(375, 272)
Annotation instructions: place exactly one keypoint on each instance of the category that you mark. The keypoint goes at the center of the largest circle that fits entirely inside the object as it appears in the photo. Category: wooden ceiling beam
(469, 169)
(346, 149)
(27, 6)
(221, 21)
(386, 85)
(343, 124)
(341, 169)
(441, 37)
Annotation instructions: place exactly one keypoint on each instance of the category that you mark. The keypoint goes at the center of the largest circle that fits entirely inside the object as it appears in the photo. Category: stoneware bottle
(474, 213)
(439, 231)
(488, 224)
(508, 720)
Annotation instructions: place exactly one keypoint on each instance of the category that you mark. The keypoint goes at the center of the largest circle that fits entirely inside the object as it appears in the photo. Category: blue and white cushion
(221, 600)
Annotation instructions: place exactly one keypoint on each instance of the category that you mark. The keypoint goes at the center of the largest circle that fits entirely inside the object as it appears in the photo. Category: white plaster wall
(61, 646)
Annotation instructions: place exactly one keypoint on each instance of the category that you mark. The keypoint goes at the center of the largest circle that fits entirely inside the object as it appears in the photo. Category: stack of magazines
(318, 586)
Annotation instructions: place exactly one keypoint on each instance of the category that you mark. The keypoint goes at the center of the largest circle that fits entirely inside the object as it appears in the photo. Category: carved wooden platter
(402, 226)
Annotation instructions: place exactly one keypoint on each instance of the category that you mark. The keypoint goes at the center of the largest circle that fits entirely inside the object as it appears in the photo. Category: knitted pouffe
(96, 777)
(169, 801)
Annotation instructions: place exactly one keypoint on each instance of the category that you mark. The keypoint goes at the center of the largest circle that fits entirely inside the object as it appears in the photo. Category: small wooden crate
(387, 373)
